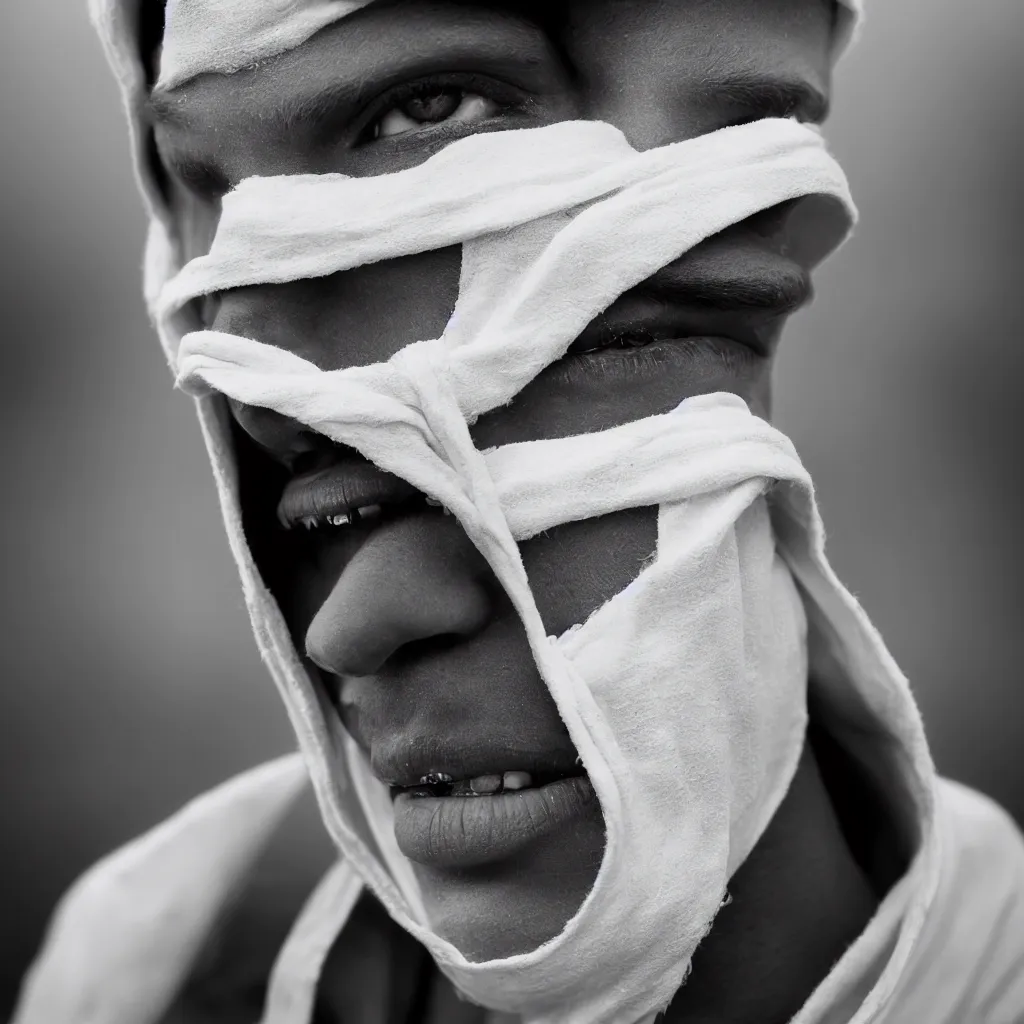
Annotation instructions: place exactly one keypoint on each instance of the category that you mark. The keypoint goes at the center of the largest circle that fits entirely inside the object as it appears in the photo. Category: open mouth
(482, 804)
(347, 492)
(444, 823)
(438, 784)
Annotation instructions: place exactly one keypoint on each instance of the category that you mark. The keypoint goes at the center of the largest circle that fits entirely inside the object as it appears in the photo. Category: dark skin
(406, 627)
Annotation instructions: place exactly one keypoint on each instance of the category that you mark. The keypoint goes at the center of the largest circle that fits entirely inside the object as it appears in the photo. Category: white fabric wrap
(685, 694)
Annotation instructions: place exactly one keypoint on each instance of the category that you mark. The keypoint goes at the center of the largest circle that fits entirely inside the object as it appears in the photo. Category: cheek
(576, 568)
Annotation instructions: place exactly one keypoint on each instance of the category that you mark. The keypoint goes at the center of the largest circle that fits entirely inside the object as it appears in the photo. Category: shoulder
(372, 973)
(369, 974)
(969, 963)
(978, 834)
(227, 982)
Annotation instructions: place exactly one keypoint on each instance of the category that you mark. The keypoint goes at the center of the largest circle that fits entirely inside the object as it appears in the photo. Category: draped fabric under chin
(685, 694)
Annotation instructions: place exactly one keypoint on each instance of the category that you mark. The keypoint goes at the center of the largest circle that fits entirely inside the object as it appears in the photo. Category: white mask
(685, 695)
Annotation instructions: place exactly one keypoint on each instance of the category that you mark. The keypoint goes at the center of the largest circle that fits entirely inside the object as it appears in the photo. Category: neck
(798, 902)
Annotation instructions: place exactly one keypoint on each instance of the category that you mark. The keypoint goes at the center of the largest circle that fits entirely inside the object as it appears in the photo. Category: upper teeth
(355, 515)
(434, 503)
(517, 780)
(482, 785)
(435, 779)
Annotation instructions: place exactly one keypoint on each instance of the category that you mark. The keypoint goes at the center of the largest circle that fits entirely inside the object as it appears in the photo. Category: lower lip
(465, 832)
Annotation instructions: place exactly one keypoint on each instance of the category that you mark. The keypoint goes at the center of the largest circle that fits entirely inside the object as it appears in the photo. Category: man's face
(419, 648)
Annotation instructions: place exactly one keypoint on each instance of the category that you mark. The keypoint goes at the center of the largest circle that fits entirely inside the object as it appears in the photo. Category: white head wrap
(685, 694)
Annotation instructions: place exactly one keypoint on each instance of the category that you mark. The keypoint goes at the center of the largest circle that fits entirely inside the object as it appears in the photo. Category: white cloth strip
(583, 264)
(291, 995)
(307, 226)
(224, 36)
(653, 461)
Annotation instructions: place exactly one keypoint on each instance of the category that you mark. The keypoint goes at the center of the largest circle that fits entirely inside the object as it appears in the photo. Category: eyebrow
(769, 95)
(775, 96)
(166, 109)
(329, 99)
(321, 104)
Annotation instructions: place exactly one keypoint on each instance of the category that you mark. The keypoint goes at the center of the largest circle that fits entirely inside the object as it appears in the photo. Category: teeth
(492, 785)
(368, 512)
(485, 785)
(434, 503)
(516, 780)
(356, 515)
(482, 785)
(435, 779)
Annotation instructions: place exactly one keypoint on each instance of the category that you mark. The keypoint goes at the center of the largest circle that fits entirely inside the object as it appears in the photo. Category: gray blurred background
(129, 679)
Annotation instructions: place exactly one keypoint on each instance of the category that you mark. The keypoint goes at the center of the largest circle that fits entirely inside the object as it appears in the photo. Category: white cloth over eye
(685, 694)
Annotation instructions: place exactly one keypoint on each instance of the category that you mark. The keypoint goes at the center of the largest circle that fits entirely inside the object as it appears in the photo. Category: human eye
(449, 104)
(434, 105)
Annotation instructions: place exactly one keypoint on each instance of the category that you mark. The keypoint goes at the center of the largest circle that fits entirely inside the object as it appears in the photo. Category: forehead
(684, 27)
(672, 51)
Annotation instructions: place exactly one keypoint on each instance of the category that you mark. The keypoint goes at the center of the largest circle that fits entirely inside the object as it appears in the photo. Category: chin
(512, 907)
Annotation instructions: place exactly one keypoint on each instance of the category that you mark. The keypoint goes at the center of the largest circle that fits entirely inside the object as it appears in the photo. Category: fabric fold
(125, 936)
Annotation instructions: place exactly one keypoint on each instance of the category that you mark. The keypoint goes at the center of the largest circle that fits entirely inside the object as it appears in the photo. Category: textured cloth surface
(204, 36)
(685, 691)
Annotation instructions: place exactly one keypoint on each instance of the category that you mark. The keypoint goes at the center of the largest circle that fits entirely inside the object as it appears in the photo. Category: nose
(414, 582)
